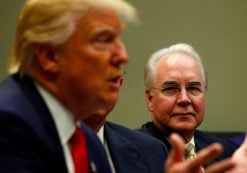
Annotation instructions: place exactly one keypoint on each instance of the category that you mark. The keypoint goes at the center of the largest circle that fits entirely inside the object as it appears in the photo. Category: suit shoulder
(135, 136)
(209, 139)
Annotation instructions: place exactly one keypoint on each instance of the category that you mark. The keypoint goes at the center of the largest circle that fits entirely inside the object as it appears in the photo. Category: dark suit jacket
(202, 140)
(237, 140)
(29, 141)
(134, 152)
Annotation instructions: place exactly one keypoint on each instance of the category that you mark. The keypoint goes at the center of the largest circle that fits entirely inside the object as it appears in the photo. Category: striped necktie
(189, 151)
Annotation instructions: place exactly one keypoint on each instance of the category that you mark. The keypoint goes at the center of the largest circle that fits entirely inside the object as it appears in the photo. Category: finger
(176, 154)
(221, 166)
(204, 156)
(178, 147)
(174, 162)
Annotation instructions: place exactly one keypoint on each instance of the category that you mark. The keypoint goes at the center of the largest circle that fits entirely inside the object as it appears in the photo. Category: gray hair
(53, 22)
(150, 69)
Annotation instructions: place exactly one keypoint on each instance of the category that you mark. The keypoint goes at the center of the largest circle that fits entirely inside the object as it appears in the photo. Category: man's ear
(46, 58)
(149, 97)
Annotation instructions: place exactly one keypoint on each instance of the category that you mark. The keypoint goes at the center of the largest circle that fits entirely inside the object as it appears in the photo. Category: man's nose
(120, 53)
(184, 97)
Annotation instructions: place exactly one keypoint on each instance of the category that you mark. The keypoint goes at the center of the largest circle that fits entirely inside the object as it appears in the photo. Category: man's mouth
(116, 82)
(183, 114)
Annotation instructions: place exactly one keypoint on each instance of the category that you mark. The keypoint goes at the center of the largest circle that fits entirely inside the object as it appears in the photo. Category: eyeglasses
(173, 89)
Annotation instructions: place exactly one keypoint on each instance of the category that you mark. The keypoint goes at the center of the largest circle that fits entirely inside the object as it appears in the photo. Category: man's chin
(184, 127)
(109, 100)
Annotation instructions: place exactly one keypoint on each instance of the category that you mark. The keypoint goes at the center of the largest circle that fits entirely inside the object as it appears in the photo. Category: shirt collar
(192, 141)
(101, 134)
(62, 117)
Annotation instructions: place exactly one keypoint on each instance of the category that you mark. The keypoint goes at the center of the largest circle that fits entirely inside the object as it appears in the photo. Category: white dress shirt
(192, 141)
(64, 124)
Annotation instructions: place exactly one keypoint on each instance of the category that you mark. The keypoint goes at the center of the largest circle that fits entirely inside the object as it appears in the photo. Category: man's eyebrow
(194, 83)
(107, 31)
(170, 83)
(102, 30)
(175, 83)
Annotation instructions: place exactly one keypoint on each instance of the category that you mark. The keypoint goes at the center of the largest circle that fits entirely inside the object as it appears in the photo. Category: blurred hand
(175, 162)
(240, 159)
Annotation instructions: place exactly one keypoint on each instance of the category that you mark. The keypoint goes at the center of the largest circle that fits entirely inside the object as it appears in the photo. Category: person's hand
(175, 162)
(240, 159)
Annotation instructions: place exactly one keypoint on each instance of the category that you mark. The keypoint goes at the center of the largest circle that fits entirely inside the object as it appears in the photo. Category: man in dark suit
(66, 62)
(132, 151)
(176, 86)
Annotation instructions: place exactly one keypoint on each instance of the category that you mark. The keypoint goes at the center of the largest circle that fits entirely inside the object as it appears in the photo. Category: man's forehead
(99, 20)
(177, 58)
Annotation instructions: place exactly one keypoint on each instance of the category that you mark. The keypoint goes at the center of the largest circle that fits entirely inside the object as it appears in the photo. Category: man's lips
(183, 114)
(116, 82)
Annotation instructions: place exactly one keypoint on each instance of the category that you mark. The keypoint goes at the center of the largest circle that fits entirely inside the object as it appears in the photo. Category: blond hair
(53, 22)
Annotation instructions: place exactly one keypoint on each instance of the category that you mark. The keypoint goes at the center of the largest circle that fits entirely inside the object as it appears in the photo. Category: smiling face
(90, 63)
(178, 105)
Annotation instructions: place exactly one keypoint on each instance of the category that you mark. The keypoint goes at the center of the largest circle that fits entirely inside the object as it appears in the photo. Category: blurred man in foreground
(66, 63)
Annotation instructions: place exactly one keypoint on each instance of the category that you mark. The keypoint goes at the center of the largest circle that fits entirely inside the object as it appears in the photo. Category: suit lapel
(49, 134)
(46, 126)
(201, 144)
(98, 159)
(124, 153)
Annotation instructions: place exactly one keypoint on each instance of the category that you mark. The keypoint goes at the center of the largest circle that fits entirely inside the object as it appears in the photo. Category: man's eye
(194, 88)
(102, 42)
(170, 90)
(104, 39)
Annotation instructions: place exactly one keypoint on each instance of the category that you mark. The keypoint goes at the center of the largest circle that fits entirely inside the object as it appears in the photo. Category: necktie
(189, 151)
(79, 151)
